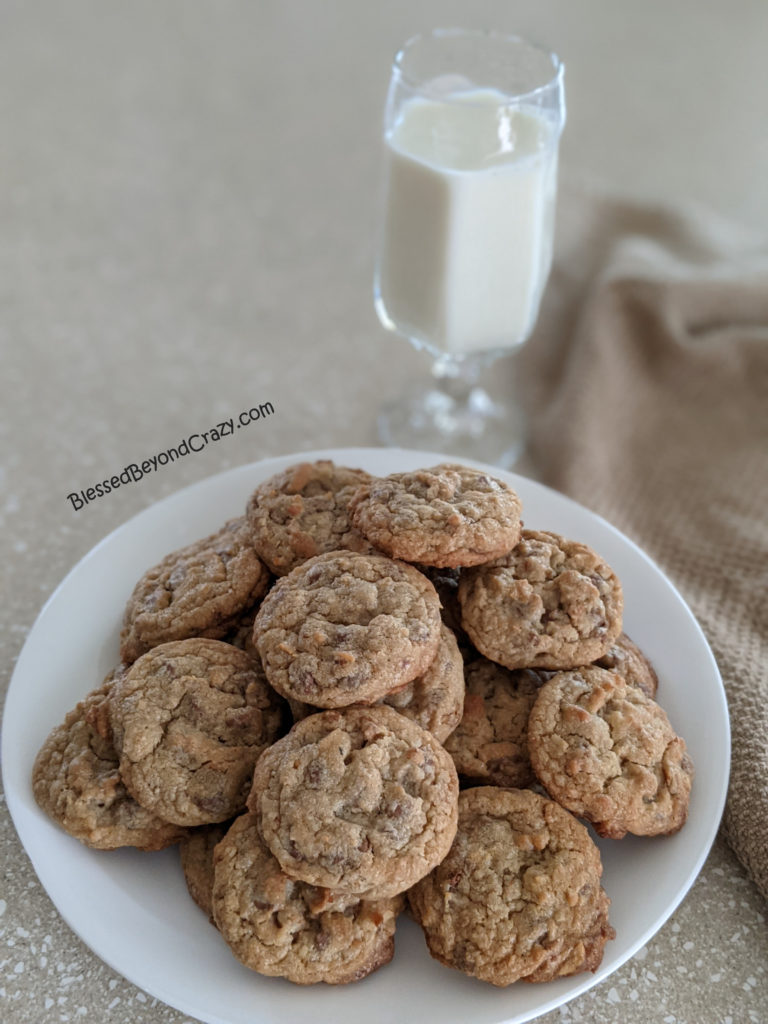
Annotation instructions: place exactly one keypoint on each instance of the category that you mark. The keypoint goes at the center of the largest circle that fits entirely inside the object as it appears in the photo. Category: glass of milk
(471, 131)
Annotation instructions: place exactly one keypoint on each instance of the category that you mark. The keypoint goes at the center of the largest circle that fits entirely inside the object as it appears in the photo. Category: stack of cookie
(304, 738)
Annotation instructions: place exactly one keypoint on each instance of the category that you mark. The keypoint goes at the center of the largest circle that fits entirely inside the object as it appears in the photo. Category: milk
(467, 235)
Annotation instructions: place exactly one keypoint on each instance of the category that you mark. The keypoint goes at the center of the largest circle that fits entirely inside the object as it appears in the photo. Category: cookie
(518, 896)
(435, 700)
(447, 515)
(189, 719)
(362, 801)
(196, 851)
(200, 590)
(550, 603)
(303, 512)
(607, 752)
(346, 628)
(280, 927)
(490, 743)
(627, 660)
(76, 781)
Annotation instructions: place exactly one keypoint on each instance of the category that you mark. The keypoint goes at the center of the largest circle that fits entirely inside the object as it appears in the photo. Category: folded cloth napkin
(647, 385)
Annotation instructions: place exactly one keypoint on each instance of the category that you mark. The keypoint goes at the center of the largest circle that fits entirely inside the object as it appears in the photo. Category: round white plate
(133, 909)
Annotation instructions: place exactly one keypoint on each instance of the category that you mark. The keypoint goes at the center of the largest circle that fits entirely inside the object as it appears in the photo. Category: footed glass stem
(456, 415)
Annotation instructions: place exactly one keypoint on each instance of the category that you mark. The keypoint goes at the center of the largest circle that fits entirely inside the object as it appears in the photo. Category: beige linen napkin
(647, 381)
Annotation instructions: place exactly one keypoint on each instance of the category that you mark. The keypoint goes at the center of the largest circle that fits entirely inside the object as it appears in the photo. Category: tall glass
(471, 129)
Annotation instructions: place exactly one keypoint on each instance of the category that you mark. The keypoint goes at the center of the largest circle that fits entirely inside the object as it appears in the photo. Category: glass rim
(557, 65)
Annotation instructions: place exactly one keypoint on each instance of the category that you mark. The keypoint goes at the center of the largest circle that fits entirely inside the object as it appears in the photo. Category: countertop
(188, 202)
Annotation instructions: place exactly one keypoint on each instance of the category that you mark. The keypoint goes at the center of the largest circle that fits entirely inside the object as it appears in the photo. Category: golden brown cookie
(518, 895)
(490, 744)
(189, 720)
(434, 701)
(200, 590)
(278, 926)
(607, 752)
(448, 515)
(362, 801)
(76, 781)
(627, 660)
(550, 603)
(346, 628)
(302, 512)
(196, 851)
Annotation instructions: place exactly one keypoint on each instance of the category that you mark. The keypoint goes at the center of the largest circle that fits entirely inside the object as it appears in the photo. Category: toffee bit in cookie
(607, 752)
(379, 813)
(518, 896)
(448, 515)
(550, 603)
(380, 621)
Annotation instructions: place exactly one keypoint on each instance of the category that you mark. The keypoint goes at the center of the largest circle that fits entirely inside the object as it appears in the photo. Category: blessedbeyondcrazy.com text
(196, 442)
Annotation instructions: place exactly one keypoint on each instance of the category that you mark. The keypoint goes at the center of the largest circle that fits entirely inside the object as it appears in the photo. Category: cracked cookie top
(361, 800)
(189, 720)
(199, 590)
(282, 927)
(303, 512)
(607, 752)
(447, 515)
(347, 628)
(76, 780)
(490, 743)
(518, 895)
(550, 603)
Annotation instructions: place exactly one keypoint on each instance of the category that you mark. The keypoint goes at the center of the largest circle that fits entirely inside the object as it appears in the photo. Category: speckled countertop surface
(187, 202)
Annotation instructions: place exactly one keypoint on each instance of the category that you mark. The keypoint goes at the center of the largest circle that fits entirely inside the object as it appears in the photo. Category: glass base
(471, 425)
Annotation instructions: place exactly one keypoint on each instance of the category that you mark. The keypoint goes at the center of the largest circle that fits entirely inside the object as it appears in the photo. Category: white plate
(132, 908)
